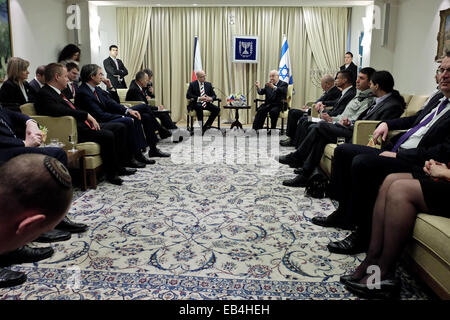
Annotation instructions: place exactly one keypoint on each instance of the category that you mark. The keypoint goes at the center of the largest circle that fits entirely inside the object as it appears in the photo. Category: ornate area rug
(221, 226)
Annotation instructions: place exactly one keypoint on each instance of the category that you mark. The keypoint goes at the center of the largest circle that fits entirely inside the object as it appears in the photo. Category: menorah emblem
(246, 45)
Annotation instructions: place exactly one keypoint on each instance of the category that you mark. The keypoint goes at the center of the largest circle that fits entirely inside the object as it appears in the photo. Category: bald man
(275, 91)
(43, 201)
(201, 95)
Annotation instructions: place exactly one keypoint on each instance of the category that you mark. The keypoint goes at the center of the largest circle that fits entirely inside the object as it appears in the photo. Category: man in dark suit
(115, 69)
(330, 96)
(13, 142)
(310, 151)
(137, 92)
(349, 65)
(343, 82)
(358, 171)
(201, 95)
(100, 105)
(110, 136)
(275, 91)
(73, 71)
(39, 80)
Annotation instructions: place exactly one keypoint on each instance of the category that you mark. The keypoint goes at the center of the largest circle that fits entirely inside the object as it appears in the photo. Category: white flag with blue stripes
(285, 63)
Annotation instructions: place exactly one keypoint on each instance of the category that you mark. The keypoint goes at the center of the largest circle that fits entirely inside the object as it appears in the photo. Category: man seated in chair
(111, 136)
(330, 96)
(358, 171)
(45, 198)
(73, 71)
(100, 105)
(137, 92)
(275, 91)
(201, 95)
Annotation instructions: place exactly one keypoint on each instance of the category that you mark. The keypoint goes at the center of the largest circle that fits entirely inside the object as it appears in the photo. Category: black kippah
(58, 171)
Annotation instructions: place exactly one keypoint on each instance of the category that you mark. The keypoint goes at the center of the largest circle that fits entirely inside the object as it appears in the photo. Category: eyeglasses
(442, 70)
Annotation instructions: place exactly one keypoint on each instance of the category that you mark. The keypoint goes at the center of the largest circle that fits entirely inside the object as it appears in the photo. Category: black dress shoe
(385, 289)
(334, 220)
(10, 278)
(54, 236)
(25, 255)
(70, 226)
(144, 160)
(353, 244)
(114, 180)
(290, 160)
(286, 143)
(298, 182)
(298, 171)
(133, 163)
(158, 153)
(163, 133)
(126, 171)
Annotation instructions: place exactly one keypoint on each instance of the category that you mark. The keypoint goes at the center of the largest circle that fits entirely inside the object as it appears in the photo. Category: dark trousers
(149, 123)
(211, 108)
(358, 172)
(112, 140)
(166, 120)
(294, 116)
(9, 153)
(135, 135)
(260, 117)
(319, 135)
(301, 131)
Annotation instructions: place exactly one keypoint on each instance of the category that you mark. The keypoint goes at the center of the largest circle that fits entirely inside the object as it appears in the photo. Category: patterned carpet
(212, 222)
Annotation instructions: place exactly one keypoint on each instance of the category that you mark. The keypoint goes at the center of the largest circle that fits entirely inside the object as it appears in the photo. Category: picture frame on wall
(245, 49)
(5, 37)
(443, 37)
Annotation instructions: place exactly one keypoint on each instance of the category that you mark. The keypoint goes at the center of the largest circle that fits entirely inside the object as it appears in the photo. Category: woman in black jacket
(16, 91)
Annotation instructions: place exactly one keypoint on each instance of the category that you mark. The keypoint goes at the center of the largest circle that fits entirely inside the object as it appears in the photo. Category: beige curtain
(169, 50)
(133, 30)
(327, 33)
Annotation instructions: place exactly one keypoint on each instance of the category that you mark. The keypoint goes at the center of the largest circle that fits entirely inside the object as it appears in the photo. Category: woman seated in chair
(16, 90)
(400, 198)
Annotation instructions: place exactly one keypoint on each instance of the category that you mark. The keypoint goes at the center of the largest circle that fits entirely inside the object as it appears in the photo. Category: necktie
(4, 123)
(73, 90)
(202, 93)
(73, 107)
(96, 95)
(421, 124)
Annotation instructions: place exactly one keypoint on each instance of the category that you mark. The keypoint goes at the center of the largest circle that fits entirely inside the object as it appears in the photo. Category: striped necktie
(202, 93)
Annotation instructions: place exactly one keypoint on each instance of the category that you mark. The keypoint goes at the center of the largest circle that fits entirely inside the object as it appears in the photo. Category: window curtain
(133, 33)
(169, 49)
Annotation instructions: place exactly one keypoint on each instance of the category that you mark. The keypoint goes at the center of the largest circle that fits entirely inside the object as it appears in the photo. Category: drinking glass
(340, 140)
(72, 141)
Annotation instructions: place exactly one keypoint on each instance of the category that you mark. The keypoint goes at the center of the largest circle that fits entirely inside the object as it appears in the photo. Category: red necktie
(96, 95)
(73, 107)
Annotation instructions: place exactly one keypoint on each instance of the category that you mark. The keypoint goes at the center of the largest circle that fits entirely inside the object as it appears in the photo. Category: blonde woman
(16, 91)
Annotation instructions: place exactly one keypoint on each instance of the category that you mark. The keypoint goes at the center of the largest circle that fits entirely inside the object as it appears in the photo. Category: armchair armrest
(59, 127)
(129, 104)
(363, 130)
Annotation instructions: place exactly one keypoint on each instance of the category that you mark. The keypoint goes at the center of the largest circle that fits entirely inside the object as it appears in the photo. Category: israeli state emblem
(245, 48)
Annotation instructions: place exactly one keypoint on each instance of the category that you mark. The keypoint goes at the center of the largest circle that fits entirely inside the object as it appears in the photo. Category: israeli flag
(285, 63)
